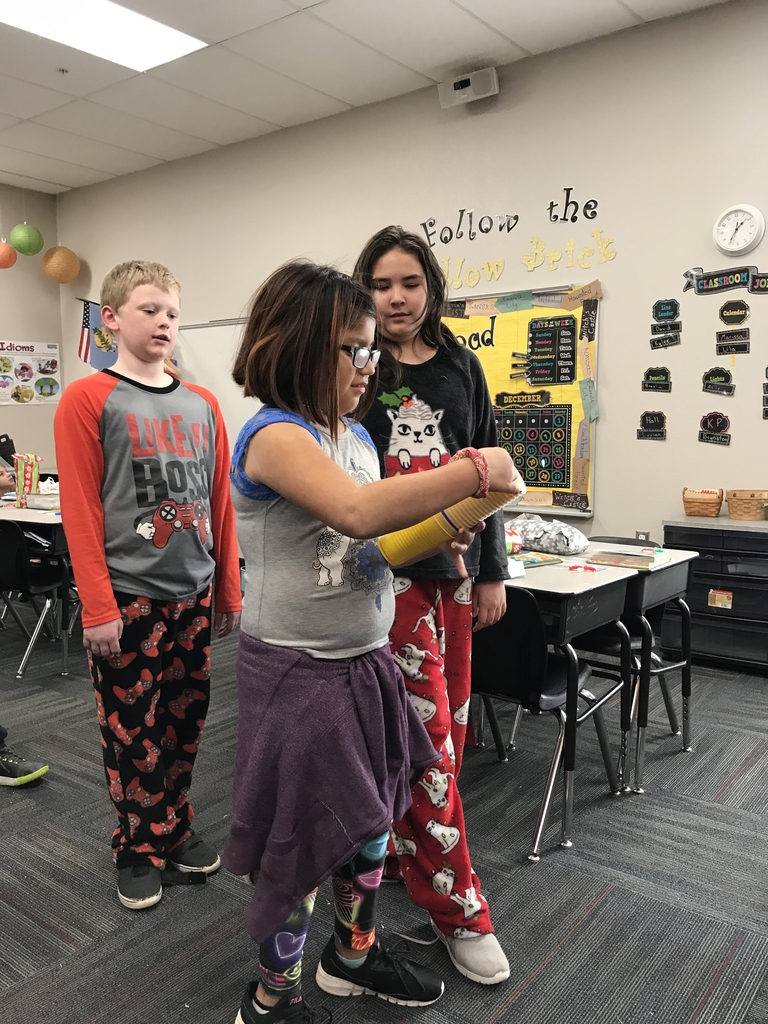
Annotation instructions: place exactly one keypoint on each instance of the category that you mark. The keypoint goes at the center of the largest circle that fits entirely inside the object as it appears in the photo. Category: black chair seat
(555, 688)
(603, 641)
(42, 578)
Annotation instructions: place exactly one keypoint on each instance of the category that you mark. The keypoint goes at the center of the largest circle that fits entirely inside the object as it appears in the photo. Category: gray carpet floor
(658, 913)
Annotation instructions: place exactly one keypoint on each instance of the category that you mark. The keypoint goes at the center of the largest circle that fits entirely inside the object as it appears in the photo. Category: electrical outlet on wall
(642, 535)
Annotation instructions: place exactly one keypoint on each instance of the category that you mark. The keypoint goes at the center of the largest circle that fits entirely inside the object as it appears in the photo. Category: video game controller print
(172, 516)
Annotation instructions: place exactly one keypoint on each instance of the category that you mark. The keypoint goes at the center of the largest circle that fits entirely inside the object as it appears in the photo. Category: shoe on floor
(16, 770)
(291, 1009)
(387, 975)
(139, 886)
(477, 956)
(195, 854)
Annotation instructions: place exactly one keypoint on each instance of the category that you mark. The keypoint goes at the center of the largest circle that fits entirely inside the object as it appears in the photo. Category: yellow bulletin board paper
(536, 361)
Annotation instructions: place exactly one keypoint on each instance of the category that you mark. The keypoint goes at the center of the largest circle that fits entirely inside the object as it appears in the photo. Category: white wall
(29, 311)
(661, 124)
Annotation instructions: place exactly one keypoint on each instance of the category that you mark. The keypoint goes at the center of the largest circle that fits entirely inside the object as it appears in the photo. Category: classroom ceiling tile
(6, 121)
(33, 184)
(44, 141)
(316, 54)
(549, 24)
(44, 168)
(41, 61)
(228, 78)
(434, 37)
(104, 124)
(174, 108)
(211, 21)
(649, 10)
(24, 99)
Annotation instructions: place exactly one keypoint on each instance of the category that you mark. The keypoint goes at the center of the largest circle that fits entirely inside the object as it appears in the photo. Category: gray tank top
(308, 586)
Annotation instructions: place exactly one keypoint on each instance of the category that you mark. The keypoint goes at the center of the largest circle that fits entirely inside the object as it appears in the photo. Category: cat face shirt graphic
(415, 441)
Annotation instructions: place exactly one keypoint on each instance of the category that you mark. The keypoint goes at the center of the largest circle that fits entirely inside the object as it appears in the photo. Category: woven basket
(702, 503)
(746, 504)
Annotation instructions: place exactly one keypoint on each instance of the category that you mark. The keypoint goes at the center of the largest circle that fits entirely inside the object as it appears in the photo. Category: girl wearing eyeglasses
(432, 400)
(327, 735)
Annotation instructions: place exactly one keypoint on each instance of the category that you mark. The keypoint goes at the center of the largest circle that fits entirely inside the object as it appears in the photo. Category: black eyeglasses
(361, 355)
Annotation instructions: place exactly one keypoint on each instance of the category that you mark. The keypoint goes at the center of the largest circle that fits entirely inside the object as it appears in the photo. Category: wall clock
(738, 230)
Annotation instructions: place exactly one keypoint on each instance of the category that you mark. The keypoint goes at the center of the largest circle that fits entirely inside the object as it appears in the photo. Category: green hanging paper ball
(26, 239)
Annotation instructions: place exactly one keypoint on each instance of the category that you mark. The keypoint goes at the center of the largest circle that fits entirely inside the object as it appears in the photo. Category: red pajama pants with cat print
(151, 702)
(431, 640)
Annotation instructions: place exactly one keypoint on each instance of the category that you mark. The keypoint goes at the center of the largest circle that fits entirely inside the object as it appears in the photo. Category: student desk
(52, 542)
(658, 585)
(573, 603)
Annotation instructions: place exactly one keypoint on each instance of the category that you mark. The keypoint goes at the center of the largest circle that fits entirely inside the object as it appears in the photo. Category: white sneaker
(477, 956)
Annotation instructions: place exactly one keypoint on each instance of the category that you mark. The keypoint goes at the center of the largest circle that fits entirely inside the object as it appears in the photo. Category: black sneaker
(195, 854)
(291, 1009)
(139, 886)
(16, 770)
(384, 974)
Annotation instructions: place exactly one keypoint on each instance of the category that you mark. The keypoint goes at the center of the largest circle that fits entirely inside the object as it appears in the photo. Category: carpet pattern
(659, 912)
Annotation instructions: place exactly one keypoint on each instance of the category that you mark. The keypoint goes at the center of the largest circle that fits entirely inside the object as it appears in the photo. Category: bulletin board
(539, 352)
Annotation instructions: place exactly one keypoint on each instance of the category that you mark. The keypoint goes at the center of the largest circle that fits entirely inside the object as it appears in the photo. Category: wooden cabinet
(728, 597)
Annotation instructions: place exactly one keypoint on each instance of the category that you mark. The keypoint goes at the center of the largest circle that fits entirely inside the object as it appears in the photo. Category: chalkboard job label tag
(718, 381)
(665, 341)
(674, 327)
(653, 426)
(765, 414)
(657, 378)
(714, 428)
(665, 310)
(734, 312)
(565, 499)
(732, 348)
(740, 335)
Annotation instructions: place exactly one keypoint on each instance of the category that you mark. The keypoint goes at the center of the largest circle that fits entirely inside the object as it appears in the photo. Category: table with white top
(573, 602)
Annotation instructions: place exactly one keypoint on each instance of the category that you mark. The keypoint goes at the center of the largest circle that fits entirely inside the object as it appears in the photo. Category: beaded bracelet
(481, 465)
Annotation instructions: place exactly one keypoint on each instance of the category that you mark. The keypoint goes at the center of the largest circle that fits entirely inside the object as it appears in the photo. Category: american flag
(84, 349)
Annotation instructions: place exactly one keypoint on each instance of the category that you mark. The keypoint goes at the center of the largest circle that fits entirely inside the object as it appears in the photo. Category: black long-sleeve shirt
(441, 406)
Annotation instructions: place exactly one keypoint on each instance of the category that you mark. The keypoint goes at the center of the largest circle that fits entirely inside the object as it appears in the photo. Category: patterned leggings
(151, 703)
(354, 892)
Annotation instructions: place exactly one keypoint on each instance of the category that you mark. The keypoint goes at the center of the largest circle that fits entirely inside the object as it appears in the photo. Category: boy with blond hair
(143, 464)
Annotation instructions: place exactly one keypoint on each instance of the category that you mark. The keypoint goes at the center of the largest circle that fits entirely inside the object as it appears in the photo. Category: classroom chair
(511, 663)
(31, 580)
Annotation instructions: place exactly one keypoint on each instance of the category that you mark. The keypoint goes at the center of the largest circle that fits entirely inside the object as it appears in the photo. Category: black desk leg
(624, 767)
(644, 686)
(569, 754)
(64, 595)
(685, 635)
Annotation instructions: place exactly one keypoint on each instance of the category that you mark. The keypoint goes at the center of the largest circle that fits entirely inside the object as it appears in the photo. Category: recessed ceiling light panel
(101, 28)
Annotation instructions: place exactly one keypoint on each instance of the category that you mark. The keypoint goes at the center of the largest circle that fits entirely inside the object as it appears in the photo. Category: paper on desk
(516, 569)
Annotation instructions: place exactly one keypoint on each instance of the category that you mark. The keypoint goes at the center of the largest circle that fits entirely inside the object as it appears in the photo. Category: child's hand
(103, 640)
(225, 622)
(503, 474)
(455, 548)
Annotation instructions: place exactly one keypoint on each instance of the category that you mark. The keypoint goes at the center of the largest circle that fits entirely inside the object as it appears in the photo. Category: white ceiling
(69, 119)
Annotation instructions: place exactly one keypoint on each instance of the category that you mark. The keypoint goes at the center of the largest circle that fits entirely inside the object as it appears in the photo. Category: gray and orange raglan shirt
(144, 481)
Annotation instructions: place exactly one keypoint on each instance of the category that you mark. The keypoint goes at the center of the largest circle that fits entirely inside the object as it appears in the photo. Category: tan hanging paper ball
(61, 264)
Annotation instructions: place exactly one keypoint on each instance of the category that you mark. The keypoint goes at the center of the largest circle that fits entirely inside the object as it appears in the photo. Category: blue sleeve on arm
(359, 431)
(263, 418)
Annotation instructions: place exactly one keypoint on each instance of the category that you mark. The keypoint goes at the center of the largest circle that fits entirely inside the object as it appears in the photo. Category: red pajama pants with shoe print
(431, 640)
(151, 703)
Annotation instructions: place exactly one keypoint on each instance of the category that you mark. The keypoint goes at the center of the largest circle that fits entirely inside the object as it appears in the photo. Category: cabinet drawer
(734, 564)
(736, 541)
(734, 640)
(692, 539)
(749, 600)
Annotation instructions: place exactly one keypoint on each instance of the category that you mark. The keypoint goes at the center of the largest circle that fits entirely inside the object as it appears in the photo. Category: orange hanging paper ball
(61, 264)
(26, 239)
(8, 256)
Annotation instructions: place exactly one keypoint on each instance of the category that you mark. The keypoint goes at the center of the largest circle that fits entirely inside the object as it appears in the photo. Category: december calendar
(538, 353)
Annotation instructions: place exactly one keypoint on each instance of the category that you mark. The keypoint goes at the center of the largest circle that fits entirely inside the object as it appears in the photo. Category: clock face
(738, 229)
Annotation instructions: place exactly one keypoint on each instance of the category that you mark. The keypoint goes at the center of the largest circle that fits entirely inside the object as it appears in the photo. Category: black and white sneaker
(291, 1009)
(195, 855)
(139, 886)
(387, 975)
(16, 770)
